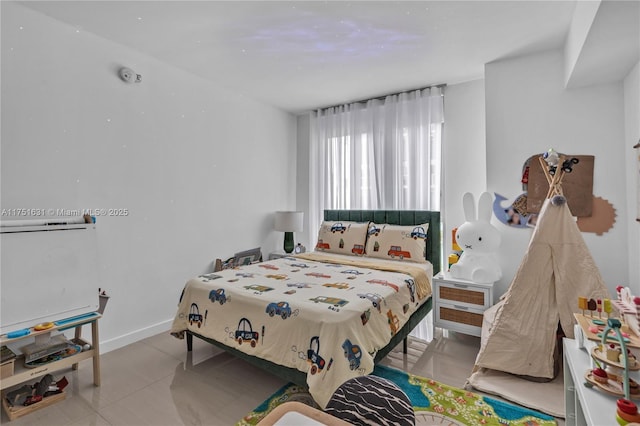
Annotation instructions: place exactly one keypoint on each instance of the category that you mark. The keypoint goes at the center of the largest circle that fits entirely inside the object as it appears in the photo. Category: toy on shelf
(616, 355)
(629, 308)
(595, 312)
(456, 250)
(582, 304)
(611, 354)
(607, 307)
(612, 357)
(593, 327)
(626, 412)
(597, 305)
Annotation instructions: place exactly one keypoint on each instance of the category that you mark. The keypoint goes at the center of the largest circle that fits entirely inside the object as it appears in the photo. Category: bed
(320, 318)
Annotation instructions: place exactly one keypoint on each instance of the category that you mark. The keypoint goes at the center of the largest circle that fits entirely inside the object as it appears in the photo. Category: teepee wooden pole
(545, 169)
(554, 180)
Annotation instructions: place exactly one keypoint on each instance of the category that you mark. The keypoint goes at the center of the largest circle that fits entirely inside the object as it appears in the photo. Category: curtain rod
(382, 97)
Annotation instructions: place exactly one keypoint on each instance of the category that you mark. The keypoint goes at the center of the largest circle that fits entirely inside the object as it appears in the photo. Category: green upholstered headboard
(400, 217)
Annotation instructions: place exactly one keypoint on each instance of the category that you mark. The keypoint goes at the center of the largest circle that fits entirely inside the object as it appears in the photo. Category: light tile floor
(157, 382)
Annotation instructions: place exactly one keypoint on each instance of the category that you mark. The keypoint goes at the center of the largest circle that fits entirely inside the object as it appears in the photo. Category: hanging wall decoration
(515, 213)
(602, 218)
(594, 214)
(577, 184)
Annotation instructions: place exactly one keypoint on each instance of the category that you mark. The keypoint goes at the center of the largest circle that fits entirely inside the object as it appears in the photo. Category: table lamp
(288, 222)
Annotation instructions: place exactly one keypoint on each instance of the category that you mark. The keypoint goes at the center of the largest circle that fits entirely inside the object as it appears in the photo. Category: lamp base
(288, 242)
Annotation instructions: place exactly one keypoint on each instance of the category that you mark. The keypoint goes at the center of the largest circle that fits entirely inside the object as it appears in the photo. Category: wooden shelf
(22, 374)
(19, 411)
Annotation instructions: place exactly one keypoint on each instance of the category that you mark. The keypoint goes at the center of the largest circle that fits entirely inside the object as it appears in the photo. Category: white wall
(583, 16)
(302, 179)
(632, 137)
(529, 111)
(193, 163)
(463, 152)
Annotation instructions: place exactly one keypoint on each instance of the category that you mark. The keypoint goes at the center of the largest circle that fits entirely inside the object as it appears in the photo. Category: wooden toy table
(586, 322)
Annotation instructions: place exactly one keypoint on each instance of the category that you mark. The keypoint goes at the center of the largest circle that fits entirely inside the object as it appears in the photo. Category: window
(382, 154)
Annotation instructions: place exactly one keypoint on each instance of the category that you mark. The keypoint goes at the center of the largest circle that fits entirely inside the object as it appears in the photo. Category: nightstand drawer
(459, 315)
(459, 318)
(464, 294)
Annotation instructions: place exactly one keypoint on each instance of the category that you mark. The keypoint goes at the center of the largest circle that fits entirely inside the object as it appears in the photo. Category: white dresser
(583, 405)
(459, 305)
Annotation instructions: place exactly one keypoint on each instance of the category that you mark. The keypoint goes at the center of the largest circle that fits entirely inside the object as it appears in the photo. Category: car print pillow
(342, 237)
(405, 243)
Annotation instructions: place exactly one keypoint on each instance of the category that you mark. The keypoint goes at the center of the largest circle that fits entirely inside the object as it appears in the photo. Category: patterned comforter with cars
(326, 319)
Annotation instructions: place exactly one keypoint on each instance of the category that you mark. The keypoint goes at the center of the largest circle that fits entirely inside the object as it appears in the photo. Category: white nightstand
(459, 305)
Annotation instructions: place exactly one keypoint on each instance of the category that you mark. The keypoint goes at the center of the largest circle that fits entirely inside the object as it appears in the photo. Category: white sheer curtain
(382, 154)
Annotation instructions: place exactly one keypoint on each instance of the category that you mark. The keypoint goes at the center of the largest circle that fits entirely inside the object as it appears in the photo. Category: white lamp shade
(288, 221)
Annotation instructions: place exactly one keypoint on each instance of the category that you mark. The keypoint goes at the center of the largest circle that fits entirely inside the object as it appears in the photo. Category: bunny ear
(484, 207)
(469, 206)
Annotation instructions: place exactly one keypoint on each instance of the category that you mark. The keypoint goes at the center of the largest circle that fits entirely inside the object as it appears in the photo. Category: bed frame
(394, 217)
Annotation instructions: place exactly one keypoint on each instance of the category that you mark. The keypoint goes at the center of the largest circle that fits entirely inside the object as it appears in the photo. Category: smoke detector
(129, 76)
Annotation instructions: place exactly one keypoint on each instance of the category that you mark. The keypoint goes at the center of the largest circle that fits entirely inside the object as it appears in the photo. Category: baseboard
(135, 336)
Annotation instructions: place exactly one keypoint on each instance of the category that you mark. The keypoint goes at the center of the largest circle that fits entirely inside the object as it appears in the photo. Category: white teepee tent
(556, 269)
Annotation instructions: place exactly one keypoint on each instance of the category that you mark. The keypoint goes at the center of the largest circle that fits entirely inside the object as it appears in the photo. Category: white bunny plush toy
(479, 241)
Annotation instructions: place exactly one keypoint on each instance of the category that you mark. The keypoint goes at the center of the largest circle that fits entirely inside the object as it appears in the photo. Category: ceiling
(302, 55)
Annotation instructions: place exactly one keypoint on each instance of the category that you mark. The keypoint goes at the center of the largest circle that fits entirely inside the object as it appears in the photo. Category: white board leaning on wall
(49, 272)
